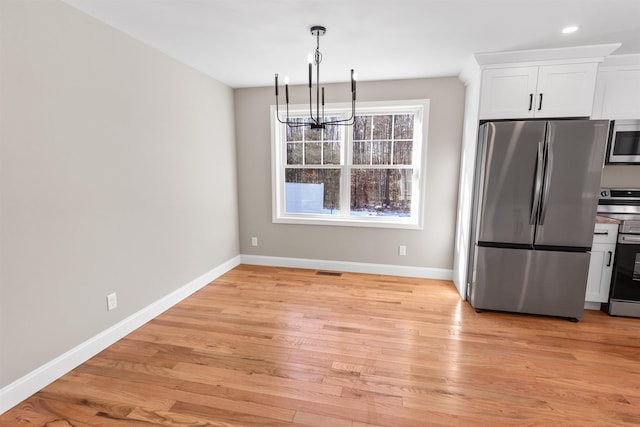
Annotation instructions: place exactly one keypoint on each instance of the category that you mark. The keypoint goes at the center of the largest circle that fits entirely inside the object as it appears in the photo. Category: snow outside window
(369, 174)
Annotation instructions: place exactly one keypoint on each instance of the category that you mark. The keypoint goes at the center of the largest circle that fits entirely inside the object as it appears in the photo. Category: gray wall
(627, 176)
(431, 247)
(117, 174)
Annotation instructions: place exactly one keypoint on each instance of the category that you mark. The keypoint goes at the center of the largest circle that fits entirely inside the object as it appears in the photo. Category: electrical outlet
(402, 250)
(112, 301)
(254, 241)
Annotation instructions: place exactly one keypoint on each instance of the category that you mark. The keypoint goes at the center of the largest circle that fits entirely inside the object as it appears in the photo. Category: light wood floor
(266, 346)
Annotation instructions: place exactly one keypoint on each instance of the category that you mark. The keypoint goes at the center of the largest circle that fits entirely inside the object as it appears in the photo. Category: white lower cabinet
(603, 252)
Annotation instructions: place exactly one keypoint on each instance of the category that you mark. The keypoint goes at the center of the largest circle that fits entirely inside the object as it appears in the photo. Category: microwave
(624, 143)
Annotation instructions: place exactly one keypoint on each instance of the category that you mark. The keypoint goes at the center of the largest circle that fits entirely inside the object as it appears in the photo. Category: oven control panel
(620, 194)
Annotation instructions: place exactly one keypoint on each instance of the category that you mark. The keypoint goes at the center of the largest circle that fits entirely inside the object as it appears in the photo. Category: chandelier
(319, 121)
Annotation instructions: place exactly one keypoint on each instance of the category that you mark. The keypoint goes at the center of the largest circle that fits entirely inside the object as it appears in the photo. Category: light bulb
(569, 30)
(286, 80)
(310, 58)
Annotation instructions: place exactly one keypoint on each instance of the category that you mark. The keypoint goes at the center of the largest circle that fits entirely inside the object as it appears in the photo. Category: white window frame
(420, 108)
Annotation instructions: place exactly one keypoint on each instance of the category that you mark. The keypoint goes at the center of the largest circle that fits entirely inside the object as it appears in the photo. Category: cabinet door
(600, 269)
(565, 90)
(621, 95)
(508, 93)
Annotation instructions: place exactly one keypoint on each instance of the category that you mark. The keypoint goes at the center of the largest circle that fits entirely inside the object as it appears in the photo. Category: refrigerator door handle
(537, 186)
(548, 167)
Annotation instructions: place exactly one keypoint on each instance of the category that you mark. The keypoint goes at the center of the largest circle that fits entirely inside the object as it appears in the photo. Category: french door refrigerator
(535, 201)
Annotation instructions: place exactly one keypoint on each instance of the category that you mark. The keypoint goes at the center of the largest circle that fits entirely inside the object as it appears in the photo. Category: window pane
(382, 127)
(293, 133)
(312, 191)
(294, 153)
(402, 152)
(312, 134)
(403, 126)
(312, 153)
(362, 128)
(331, 153)
(381, 153)
(381, 192)
(333, 132)
(362, 153)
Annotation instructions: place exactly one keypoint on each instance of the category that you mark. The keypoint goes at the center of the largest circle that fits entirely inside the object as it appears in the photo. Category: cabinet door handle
(540, 103)
(610, 258)
(601, 233)
(530, 101)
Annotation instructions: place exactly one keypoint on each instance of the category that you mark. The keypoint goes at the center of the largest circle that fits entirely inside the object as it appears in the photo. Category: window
(368, 174)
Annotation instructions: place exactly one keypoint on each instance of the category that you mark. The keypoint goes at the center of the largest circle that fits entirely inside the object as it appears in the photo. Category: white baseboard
(352, 267)
(34, 381)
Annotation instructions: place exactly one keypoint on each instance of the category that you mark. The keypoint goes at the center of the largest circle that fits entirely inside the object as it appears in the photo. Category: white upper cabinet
(564, 90)
(617, 94)
(508, 93)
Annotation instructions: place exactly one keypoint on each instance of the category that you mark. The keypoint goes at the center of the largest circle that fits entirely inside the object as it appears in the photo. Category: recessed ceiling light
(569, 30)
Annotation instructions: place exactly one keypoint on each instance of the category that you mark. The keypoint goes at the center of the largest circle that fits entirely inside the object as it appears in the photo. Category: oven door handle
(629, 240)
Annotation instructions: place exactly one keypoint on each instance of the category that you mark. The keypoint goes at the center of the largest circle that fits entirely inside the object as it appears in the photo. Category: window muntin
(367, 175)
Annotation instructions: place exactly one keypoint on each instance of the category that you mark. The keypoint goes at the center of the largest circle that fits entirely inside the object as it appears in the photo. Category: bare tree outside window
(385, 141)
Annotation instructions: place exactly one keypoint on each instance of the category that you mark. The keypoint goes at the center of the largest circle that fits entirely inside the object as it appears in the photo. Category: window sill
(371, 222)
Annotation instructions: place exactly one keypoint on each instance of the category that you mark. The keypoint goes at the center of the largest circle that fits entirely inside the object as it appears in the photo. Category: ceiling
(244, 42)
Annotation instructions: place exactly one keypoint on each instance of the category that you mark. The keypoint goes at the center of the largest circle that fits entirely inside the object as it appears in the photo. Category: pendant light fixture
(319, 121)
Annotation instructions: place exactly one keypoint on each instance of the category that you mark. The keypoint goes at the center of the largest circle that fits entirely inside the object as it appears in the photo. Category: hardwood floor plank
(228, 417)
(315, 420)
(266, 346)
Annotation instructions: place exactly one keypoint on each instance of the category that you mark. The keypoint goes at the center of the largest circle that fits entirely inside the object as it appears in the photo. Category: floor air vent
(328, 273)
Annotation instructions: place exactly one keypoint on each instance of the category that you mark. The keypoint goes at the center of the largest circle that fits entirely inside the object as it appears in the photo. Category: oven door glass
(626, 273)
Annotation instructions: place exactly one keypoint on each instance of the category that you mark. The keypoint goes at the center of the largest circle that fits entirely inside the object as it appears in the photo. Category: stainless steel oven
(624, 143)
(624, 294)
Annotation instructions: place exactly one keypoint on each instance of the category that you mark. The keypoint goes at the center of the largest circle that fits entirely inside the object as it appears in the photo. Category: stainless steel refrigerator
(535, 200)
